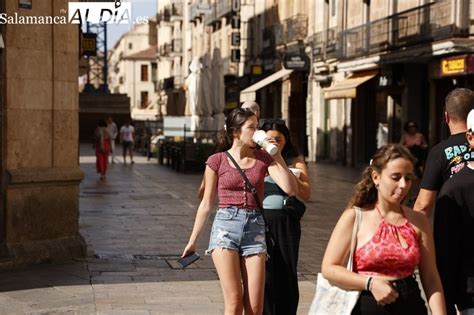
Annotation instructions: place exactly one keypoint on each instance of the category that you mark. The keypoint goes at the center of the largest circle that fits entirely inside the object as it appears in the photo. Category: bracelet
(368, 284)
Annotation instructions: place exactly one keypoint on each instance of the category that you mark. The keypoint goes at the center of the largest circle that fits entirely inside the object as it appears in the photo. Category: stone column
(41, 138)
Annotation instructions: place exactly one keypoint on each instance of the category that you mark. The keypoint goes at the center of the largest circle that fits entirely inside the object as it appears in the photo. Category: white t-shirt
(127, 133)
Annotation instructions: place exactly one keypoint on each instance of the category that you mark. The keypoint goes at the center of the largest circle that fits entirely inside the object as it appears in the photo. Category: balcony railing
(165, 49)
(290, 30)
(177, 10)
(325, 43)
(426, 23)
(177, 45)
(295, 28)
(170, 13)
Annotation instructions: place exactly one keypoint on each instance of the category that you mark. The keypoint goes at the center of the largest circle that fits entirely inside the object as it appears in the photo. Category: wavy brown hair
(234, 122)
(365, 193)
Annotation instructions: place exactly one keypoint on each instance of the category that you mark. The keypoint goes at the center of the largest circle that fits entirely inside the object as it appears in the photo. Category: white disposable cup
(260, 138)
(295, 171)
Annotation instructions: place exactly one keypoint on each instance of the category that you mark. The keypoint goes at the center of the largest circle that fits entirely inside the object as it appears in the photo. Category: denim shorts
(238, 229)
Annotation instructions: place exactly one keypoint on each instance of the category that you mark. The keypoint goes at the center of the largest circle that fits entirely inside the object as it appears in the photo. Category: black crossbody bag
(268, 236)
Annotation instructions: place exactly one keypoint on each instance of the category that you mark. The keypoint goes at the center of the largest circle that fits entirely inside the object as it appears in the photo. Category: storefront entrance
(297, 110)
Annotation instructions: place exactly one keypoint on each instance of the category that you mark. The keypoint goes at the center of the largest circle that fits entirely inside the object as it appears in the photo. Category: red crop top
(384, 255)
(230, 184)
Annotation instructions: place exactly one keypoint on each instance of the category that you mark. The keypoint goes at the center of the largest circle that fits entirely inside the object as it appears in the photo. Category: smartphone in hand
(188, 259)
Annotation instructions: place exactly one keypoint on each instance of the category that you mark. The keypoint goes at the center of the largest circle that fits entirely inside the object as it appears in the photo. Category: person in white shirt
(113, 132)
(127, 136)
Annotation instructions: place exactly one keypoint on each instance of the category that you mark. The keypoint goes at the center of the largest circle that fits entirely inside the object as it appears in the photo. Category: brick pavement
(136, 223)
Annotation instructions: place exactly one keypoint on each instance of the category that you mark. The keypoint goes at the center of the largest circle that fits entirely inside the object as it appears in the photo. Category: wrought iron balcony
(426, 23)
(295, 28)
(324, 43)
(177, 46)
(176, 11)
(290, 30)
(165, 50)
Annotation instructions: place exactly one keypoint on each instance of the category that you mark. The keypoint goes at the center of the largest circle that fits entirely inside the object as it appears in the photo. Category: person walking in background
(446, 158)
(392, 241)
(155, 140)
(416, 143)
(237, 241)
(281, 279)
(113, 132)
(127, 137)
(454, 234)
(102, 147)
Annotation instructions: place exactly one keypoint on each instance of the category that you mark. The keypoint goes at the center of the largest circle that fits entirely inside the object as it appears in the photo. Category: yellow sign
(257, 70)
(453, 66)
(88, 44)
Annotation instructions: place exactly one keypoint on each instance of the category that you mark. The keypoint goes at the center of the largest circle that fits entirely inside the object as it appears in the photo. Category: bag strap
(249, 185)
(355, 230)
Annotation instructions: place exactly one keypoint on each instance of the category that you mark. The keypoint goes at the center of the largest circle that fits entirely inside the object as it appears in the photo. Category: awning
(347, 88)
(249, 93)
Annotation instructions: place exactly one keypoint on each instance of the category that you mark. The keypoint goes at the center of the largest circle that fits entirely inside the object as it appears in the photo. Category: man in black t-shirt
(454, 234)
(447, 157)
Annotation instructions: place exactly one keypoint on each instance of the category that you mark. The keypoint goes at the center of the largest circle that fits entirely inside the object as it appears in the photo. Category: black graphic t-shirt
(454, 234)
(444, 160)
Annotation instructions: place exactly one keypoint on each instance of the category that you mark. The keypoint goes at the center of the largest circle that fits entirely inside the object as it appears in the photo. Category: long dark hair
(234, 122)
(289, 151)
(365, 192)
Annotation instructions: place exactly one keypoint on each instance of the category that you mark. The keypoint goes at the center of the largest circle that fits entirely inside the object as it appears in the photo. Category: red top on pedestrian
(384, 255)
(231, 186)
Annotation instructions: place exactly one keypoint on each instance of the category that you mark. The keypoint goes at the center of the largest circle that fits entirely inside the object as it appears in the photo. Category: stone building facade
(133, 71)
(377, 64)
(40, 175)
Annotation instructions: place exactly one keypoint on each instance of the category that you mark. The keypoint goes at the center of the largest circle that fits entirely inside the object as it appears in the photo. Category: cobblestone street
(136, 223)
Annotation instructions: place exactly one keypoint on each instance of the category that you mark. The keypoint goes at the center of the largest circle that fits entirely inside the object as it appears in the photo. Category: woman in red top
(392, 241)
(237, 242)
(102, 147)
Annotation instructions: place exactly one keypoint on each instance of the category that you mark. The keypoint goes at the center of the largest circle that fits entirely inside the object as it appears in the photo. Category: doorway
(297, 110)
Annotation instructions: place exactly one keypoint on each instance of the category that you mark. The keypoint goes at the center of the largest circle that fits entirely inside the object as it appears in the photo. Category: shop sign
(235, 55)
(296, 62)
(235, 40)
(204, 8)
(454, 65)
